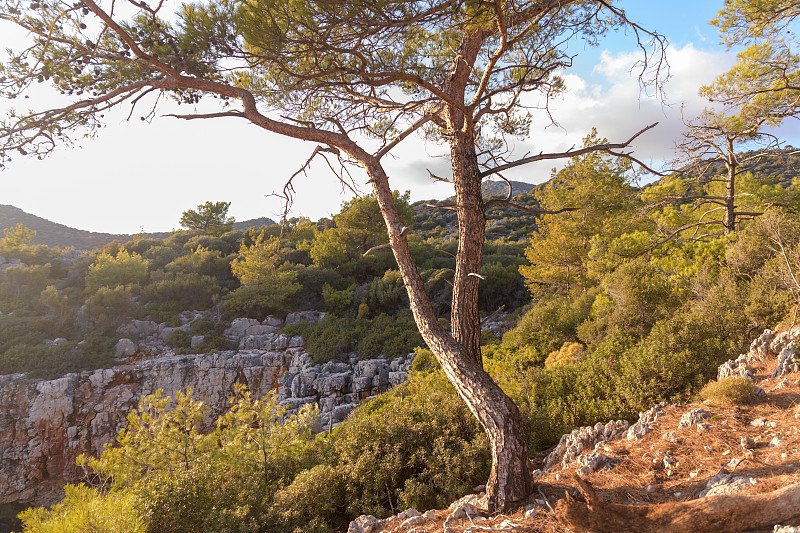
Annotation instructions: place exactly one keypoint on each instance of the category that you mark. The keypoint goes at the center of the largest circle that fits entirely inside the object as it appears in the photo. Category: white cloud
(613, 102)
(137, 174)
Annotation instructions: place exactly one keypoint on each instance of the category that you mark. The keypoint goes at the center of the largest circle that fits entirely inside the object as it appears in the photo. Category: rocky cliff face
(45, 425)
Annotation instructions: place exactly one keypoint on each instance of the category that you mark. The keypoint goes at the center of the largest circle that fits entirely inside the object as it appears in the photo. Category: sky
(140, 176)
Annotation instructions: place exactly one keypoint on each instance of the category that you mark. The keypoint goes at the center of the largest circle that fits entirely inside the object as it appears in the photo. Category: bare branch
(491, 203)
(408, 131)
(488, 318)
(451, 254)
(437, 178)
(237, 114)
(376, 248)
(431, 207)
(569, 153)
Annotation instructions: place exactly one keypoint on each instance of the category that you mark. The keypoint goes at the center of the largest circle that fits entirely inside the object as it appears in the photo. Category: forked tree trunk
(464, 317)
(510, 479)
(729, 222)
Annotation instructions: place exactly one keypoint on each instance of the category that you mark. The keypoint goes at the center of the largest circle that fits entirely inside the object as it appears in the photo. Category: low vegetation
(602, 324)
(731, 390)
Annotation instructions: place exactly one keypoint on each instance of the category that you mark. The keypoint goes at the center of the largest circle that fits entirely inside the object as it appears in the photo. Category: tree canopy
(355, 79)
(211, 217)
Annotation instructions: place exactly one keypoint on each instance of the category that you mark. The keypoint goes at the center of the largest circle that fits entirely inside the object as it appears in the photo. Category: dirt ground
(641, 477)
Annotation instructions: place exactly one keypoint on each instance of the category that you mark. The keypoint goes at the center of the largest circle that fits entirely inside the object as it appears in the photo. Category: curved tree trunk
(510, 479)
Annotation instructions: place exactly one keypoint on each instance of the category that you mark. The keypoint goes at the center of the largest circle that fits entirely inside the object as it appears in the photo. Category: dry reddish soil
(640, 477)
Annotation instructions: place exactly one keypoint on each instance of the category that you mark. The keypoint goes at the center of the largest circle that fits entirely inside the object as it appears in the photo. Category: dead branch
(488, 318)
(408, 131)
(431, 207)
(569, 153)
(376, 248)
(451, 254)
(437, 178)
(506, 203)
(721, 514)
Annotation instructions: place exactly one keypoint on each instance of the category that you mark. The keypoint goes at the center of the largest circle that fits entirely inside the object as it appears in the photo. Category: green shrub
(181, 291)
(112, 271)
(385, 335)
(180, 340)
(424, 360)
(569, 353)
(206, 498)
(416, 446)
(167, 312)
(731, 390)
(85, 509)
(384, 295)
(107, 309)
(314, 502)
(337, 301)
(258, 302)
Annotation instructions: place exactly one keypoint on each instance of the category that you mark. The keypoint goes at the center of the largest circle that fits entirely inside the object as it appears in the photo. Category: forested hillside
(58, 235)
(607, 317)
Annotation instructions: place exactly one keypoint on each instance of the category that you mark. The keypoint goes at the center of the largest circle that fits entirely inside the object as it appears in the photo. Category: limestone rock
(760, 346)
(365, 524)
(646, 421)
(55, 342)
(413, 521)
(671, 436)
(197, 341)
(244, 327)
(124, 348)
(787, 360)
(582, 439)
(592, 462)
(44, 425)
(461, 511)
(310, 316)
(692, 417)
(272, 321)
(726, 484)
(408, 513)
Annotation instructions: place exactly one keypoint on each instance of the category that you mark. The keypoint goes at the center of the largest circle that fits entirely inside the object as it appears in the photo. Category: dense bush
(415, 446)
(112, 271)
(731, 390)
(260, 470)
(383, 335)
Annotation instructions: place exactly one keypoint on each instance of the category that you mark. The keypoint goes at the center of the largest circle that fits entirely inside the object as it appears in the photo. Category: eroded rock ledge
(45, 425)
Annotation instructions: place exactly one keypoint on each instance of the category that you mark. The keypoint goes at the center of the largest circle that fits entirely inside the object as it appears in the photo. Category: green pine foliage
(604, 322)
(260, 468)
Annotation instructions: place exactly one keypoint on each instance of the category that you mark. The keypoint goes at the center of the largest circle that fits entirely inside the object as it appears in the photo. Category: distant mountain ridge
(500, 188)
(493, 188)
(55, 234)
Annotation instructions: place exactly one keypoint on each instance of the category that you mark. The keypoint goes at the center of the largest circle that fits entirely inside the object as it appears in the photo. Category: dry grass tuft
(729, 391)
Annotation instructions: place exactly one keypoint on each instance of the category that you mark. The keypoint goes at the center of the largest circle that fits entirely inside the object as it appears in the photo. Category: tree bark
(510, 479)
(465, 321)
(729, 223)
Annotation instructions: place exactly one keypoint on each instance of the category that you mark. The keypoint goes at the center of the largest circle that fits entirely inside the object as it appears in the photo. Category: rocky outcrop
(578, 449)
(768, 344)
(581, 440)
(44, 425)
